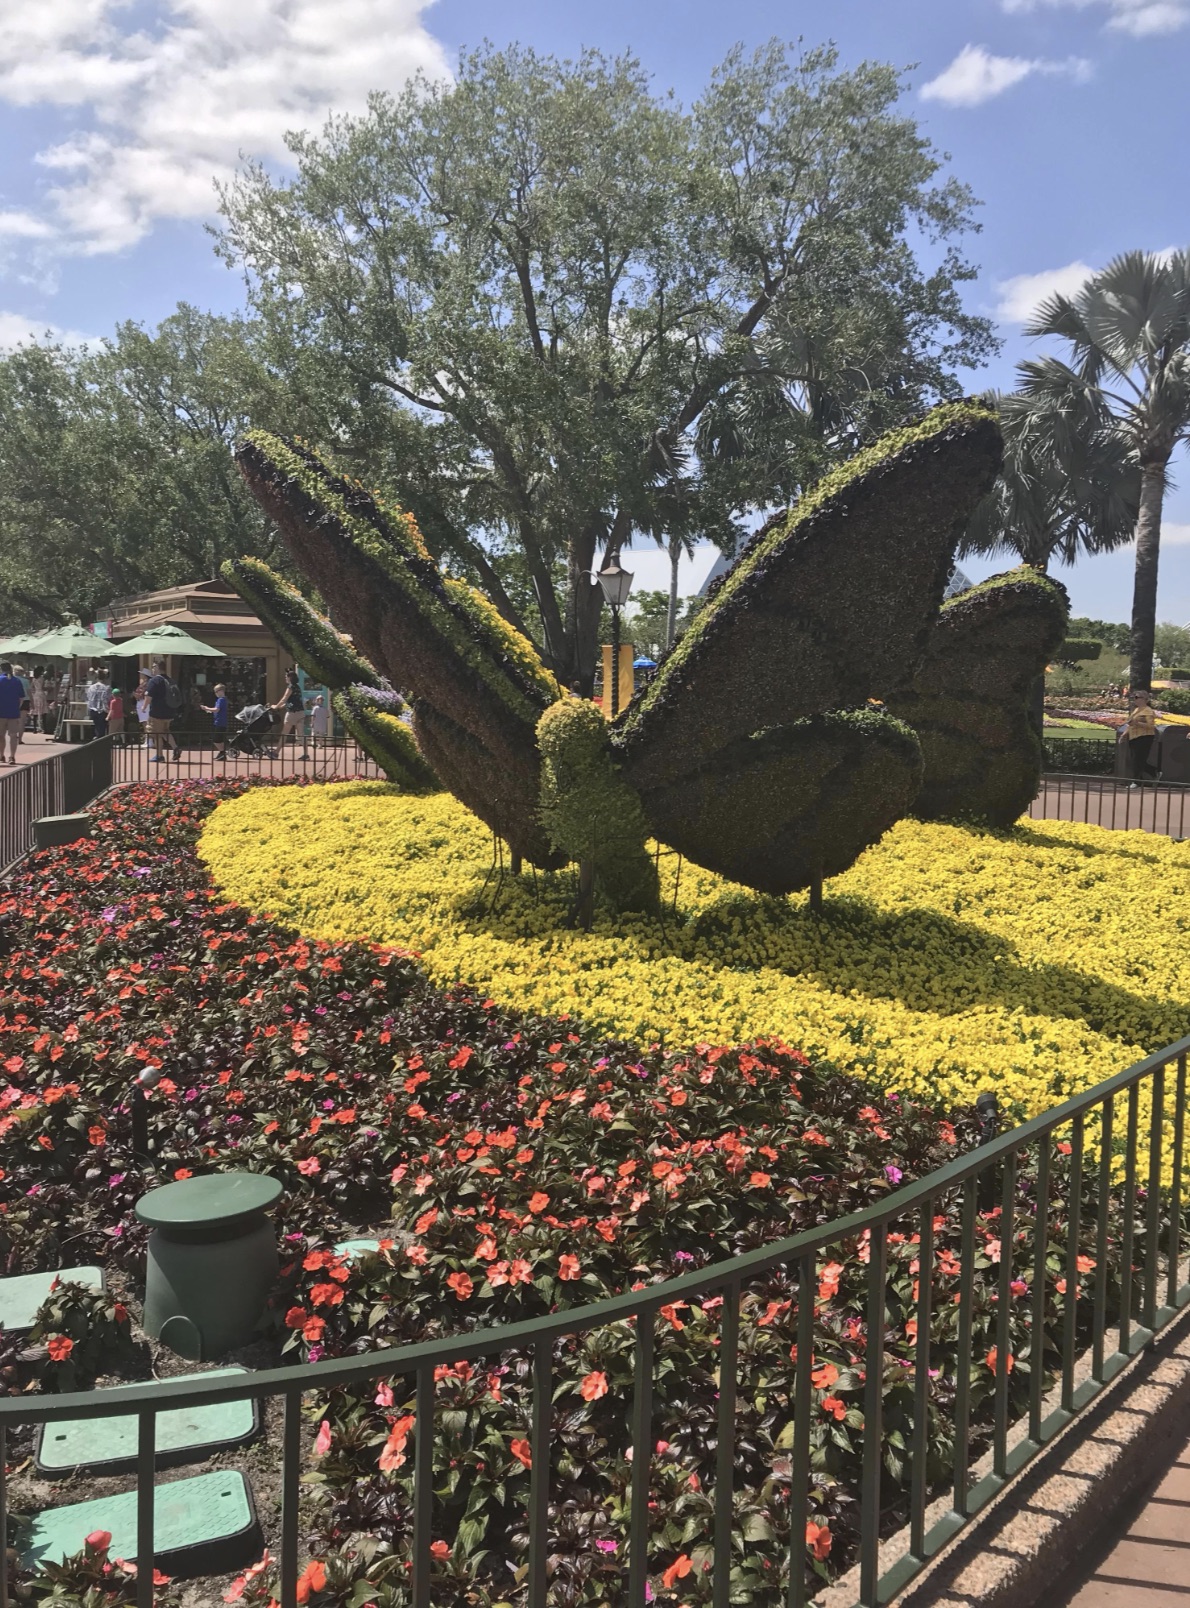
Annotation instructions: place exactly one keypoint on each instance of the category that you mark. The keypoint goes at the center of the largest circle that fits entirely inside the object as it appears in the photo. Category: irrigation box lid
(205, 1524)
(184, 1434)
(215, 1200)
(21, 1296)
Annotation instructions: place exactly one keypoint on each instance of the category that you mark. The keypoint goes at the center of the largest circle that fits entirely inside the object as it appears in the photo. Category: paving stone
(184, 1434)
(21, 1295)
(205, 1524)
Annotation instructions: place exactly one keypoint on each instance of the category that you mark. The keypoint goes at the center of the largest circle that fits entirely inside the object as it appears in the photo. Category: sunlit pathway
(1145, 1560)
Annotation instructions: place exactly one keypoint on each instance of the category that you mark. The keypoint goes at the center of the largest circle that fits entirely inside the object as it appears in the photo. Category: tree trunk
(671, 618)
(1144, 592)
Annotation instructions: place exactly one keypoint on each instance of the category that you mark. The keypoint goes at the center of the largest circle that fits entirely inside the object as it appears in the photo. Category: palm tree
(1067, 487)
(1128, 330)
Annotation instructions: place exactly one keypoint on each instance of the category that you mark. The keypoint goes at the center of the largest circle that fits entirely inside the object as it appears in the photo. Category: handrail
(469, 1345)
(1151, 1296)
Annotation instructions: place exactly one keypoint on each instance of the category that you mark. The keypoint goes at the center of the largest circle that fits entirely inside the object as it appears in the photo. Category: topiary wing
(830, 606)
(479, 687)
(323, 653)
(969, 701)
(754, 752)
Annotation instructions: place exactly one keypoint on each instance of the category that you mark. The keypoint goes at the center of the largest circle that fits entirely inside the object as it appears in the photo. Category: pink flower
(322, 1441)
(310, 1167)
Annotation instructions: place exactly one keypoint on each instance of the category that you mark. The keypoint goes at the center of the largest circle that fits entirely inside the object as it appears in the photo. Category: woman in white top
(38, 699)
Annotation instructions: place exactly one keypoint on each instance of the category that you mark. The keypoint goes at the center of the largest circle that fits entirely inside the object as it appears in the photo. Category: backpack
(173, 695)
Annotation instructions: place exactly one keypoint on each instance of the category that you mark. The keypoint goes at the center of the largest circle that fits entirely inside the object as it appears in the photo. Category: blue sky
(1068, 118)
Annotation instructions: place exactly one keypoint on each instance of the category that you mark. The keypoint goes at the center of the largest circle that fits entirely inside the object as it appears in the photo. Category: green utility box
(212, 1261)
(52, 831)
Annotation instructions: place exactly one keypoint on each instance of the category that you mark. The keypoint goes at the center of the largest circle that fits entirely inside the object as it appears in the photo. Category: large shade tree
(1128, 334)
(115, 466)
(550, 308)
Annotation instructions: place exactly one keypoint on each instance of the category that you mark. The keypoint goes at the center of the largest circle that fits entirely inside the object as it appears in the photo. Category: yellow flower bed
(1033, 962)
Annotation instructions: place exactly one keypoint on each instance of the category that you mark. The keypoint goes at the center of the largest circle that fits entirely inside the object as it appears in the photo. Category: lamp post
(616, 584)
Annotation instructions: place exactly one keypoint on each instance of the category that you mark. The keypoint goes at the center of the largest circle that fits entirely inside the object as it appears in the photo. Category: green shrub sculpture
(760, 749)
(309, 637)
(1078, 650)
(968, 703)
(479, 687)
(829, 607)
(372, 717)
(589, 811)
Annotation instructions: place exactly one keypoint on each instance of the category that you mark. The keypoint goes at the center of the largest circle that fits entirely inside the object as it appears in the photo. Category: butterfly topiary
(776, 741)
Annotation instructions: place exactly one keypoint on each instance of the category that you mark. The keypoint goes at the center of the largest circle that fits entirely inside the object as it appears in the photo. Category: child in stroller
(254, 721)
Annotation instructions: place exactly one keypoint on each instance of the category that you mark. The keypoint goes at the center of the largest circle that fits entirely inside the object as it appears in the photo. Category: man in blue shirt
(11, 719)
(160, 713)
(220, 715)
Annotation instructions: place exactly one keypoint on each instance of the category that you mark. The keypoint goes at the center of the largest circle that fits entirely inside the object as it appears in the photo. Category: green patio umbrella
(67, 642)
(162, 640)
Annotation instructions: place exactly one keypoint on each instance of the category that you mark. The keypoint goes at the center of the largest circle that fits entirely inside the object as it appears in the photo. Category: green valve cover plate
(21, 1296)
(184, 1434)
(356, 1247)
(202, 1525)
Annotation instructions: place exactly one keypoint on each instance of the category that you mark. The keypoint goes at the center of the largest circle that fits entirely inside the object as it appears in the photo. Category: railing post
(869, 1538)
(729, 1347)
(642, 1447)
(146, 1469)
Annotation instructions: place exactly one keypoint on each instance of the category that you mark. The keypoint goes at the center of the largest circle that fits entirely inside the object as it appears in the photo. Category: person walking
(38, 700)
(99, 696)
(115, 715)
(160, 714)
(220, 713)
(1141, 731)
(142, 708)
(294, 705)
(320, 720)
(12, 694)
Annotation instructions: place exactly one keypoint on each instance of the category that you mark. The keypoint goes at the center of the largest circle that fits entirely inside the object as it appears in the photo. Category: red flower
(818, 1539)
(678, 1570)
(593, 1386)
(439, 1550)
(312, 1578)
(825, 1376)
(99, 1540)
(993, 1358)
(322, 1441)
(59, 1348)
(834, 1407)
(521, 1450)
(538, 1202)
(568, 1267)
(392, 1454)
(461, 1284)
(760, 1180)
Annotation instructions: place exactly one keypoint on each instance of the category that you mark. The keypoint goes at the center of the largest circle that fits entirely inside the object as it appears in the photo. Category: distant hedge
(1078, 650)
(1175, 700)
(969, 702)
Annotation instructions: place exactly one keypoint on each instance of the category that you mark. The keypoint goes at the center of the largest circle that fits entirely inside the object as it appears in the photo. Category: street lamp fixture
(616, 584)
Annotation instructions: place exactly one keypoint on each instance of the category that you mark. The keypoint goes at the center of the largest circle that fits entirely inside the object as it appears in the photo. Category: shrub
(969, 701)
(479, 685)
(830, 606)
(588, 810)
(1176, 700)
(371, 716)
(1075, 650)
(85, 1333)
(323, 653)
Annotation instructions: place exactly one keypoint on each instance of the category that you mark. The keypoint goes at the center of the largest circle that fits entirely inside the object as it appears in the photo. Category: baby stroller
(254, 722)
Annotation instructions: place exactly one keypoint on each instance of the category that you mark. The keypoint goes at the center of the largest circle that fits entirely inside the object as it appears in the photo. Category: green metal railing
(1115, 1183)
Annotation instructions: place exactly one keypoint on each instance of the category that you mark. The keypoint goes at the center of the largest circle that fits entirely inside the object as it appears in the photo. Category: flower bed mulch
(510, 1165)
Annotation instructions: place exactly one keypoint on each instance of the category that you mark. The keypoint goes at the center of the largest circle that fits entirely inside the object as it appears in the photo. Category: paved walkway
(1150, 807)
(1145, 1561)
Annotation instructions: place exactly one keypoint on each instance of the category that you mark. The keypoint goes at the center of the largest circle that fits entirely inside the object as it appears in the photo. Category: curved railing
(1121, 1167)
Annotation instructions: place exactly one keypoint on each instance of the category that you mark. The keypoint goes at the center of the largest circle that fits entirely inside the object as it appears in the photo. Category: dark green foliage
(1175, 700)
(588, 809)
(380, 732)
(832, 605)
(1111, 633)
(969, 701)
(1078, 650)
(780, 809)
(323, 653)
(478, 686)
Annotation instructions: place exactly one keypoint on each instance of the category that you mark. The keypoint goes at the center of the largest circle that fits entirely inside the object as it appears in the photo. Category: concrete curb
(1031, 1538)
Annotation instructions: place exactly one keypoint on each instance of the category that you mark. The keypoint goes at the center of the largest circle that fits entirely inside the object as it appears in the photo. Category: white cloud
(975, 75)
(1174, 535)
(1020, 295)
(17, 330)
(1141, 18)
(174, 103)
